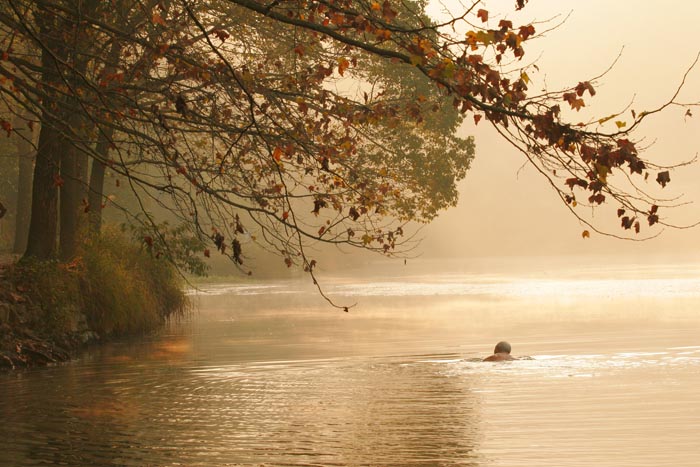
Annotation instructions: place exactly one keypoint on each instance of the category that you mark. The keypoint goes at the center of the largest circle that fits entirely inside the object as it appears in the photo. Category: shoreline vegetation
(114, 288)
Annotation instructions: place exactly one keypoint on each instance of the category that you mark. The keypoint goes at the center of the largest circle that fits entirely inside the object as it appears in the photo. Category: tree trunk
(73, 193)
(97, 179)
(24, 193)
(41, 241)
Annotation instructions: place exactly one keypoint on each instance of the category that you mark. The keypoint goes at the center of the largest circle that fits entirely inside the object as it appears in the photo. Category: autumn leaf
(483, 15)
(627, 222)
(620, 124)
(583, 87)
(526, 31)
(343, 64)
(575, 102)
(7, 126)
(477, 117)
(207, 253)
(388, 13)
(157, 19)
(662, 178)
(585, 234)
(277, 154)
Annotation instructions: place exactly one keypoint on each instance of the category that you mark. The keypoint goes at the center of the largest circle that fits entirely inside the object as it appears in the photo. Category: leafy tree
(289, 122)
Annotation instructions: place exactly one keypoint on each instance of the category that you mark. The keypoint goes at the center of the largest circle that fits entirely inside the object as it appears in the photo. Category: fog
(506, 208)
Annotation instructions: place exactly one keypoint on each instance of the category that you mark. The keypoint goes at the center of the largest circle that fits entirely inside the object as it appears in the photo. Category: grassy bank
(114, 288)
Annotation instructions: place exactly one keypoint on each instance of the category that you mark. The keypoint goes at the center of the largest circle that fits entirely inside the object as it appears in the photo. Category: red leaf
(583, 87)
(505, 24)
(526, 31)
(7, 126)
(207, 253)
(483, 15)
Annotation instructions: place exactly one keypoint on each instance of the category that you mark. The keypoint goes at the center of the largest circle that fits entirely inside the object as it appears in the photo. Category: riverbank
(50, 310)
(21, 343)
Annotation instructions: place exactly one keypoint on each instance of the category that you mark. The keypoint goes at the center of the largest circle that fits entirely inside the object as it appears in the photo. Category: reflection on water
(268, 375)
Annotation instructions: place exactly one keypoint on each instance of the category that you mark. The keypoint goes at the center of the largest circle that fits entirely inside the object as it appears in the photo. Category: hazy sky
(504, 210)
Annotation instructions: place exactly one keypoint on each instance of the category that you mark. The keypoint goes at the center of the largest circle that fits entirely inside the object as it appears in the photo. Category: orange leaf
(585, 234)
(157, 19)
(343, 65)
(277, 154)
(483, 15)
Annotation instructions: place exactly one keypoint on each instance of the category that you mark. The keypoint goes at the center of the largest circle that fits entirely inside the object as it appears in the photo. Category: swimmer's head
(502, 347)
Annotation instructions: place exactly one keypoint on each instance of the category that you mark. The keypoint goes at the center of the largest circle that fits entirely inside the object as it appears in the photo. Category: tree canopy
(288, 122)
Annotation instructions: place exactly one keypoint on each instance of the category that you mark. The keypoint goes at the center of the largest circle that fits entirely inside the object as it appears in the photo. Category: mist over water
(269, 374)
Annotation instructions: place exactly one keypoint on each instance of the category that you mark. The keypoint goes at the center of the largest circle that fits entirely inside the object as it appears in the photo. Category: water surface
(267, 374)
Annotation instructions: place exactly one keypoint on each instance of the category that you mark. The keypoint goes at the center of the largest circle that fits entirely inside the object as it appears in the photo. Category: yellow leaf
(416, 60)
(610, 117)
(620, 124)
(525, 77)
(603, 171)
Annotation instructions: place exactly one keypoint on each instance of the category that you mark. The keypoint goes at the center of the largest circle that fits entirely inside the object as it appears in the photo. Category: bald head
(502, 347)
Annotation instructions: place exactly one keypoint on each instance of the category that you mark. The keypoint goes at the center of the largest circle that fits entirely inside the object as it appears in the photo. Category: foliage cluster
(293, 122)
(114, 285)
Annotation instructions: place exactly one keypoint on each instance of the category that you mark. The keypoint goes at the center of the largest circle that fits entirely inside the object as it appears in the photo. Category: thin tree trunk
(104, 142)
(24, 193)
(97, 179)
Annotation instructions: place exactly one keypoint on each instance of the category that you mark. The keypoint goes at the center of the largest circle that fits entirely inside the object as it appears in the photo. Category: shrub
(125, 289)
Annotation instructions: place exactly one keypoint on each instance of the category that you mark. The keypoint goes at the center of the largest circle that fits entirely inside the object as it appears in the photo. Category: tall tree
(292, 122)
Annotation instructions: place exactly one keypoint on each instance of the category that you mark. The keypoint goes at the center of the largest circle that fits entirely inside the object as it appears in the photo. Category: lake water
(266, 374)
